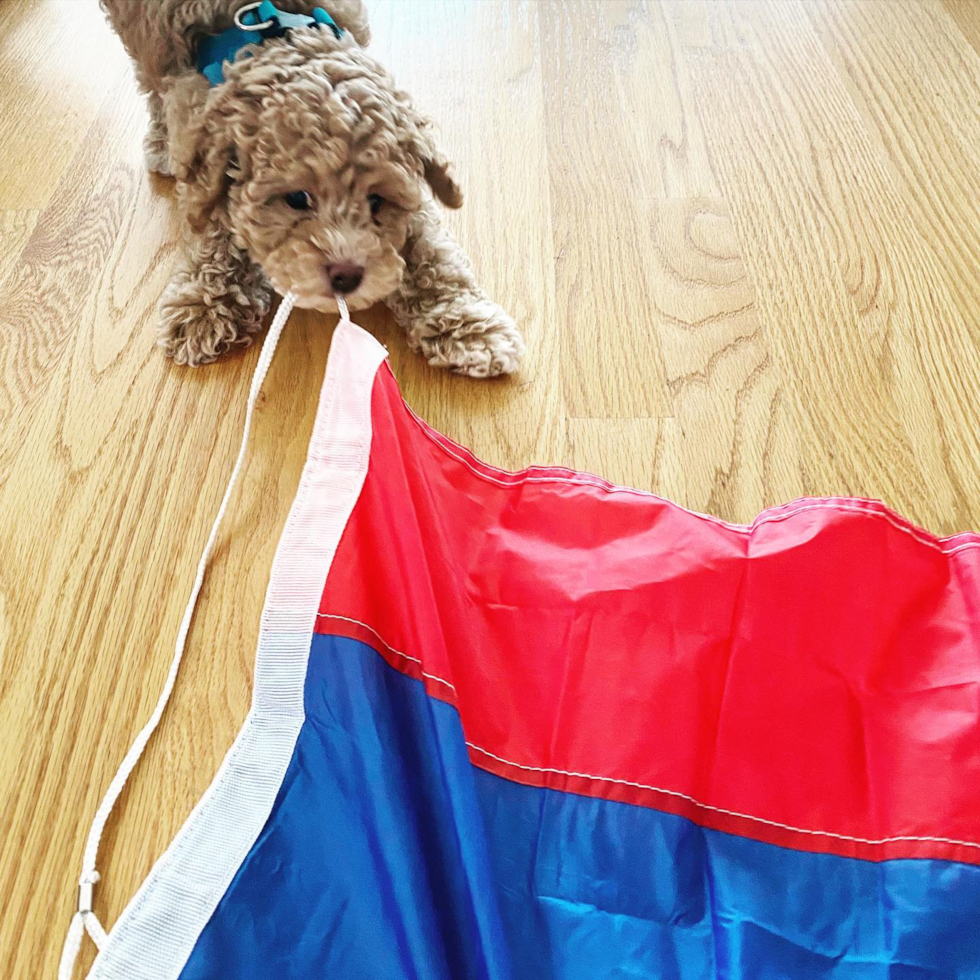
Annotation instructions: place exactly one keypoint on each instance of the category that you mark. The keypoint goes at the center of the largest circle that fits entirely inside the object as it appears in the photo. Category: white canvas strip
(158, 930)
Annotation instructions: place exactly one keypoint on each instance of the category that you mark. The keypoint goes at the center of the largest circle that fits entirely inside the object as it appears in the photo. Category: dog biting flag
(534, 725)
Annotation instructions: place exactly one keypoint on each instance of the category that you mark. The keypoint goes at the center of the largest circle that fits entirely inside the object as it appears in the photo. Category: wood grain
(741, 236)
(47, 53)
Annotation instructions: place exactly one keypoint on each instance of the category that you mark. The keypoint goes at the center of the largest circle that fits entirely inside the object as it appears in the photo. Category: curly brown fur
(214, 302)
(305, 170)
(444, 311)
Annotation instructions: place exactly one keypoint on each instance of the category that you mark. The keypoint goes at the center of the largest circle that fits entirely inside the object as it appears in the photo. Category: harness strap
(254, 23)
(85, 920)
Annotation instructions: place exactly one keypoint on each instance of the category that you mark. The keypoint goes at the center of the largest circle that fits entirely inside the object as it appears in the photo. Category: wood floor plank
(607, 162)
(53, 278)
(918, 114)
(59, 57)
(633, 449)
(15, 230)
(724, 387)
(966, 16)
(855, 296)
(740, 235)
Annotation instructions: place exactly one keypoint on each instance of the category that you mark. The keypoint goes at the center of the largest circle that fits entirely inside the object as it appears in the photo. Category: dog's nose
(345, 277)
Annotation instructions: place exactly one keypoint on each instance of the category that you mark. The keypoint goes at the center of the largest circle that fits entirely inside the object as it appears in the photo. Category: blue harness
(260, 22)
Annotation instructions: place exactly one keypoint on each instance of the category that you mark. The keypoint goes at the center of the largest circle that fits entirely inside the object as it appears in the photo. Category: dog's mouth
(347, 280)
(326, 301)
(317, 280)
(316, 292)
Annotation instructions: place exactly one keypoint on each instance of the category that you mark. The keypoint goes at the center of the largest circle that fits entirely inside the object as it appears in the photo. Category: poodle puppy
(304, 168)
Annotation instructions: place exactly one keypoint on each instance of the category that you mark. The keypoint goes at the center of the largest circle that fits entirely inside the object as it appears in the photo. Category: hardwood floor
(741, 236)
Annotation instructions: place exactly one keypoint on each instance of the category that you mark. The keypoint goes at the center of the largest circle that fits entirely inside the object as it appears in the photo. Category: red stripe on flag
(818, 671)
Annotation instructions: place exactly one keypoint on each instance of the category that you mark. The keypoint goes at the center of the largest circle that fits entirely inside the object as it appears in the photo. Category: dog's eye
(375, 200)
(298, 200)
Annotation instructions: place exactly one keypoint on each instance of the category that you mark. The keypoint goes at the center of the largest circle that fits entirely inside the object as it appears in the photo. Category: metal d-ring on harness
(273, 17)
(250, 27)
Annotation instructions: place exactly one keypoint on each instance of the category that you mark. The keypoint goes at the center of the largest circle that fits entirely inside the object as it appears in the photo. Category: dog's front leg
(445, 313)
(216, 300)
(156, 142)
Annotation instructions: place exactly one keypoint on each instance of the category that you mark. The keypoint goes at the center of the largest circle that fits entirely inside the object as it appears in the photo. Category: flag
(534, 725)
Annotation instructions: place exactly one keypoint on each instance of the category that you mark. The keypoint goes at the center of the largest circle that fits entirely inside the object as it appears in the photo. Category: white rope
(73, 943)
(85, 920)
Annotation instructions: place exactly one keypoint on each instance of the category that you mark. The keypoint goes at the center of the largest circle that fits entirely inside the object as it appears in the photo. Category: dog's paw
(195, 330)
(485, 346)
(157, 161)
(156, 155)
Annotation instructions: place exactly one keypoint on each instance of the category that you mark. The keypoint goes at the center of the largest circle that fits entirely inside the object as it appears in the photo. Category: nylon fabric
(812, 680)
(533, 725)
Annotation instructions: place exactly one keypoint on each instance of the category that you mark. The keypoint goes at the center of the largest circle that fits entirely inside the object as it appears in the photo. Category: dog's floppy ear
(440, 179)
(436, 169)
(351, 16)
(206, 180)
(204, 155)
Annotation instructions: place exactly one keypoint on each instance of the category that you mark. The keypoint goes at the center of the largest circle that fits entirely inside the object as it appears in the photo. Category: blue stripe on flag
(389, 856)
